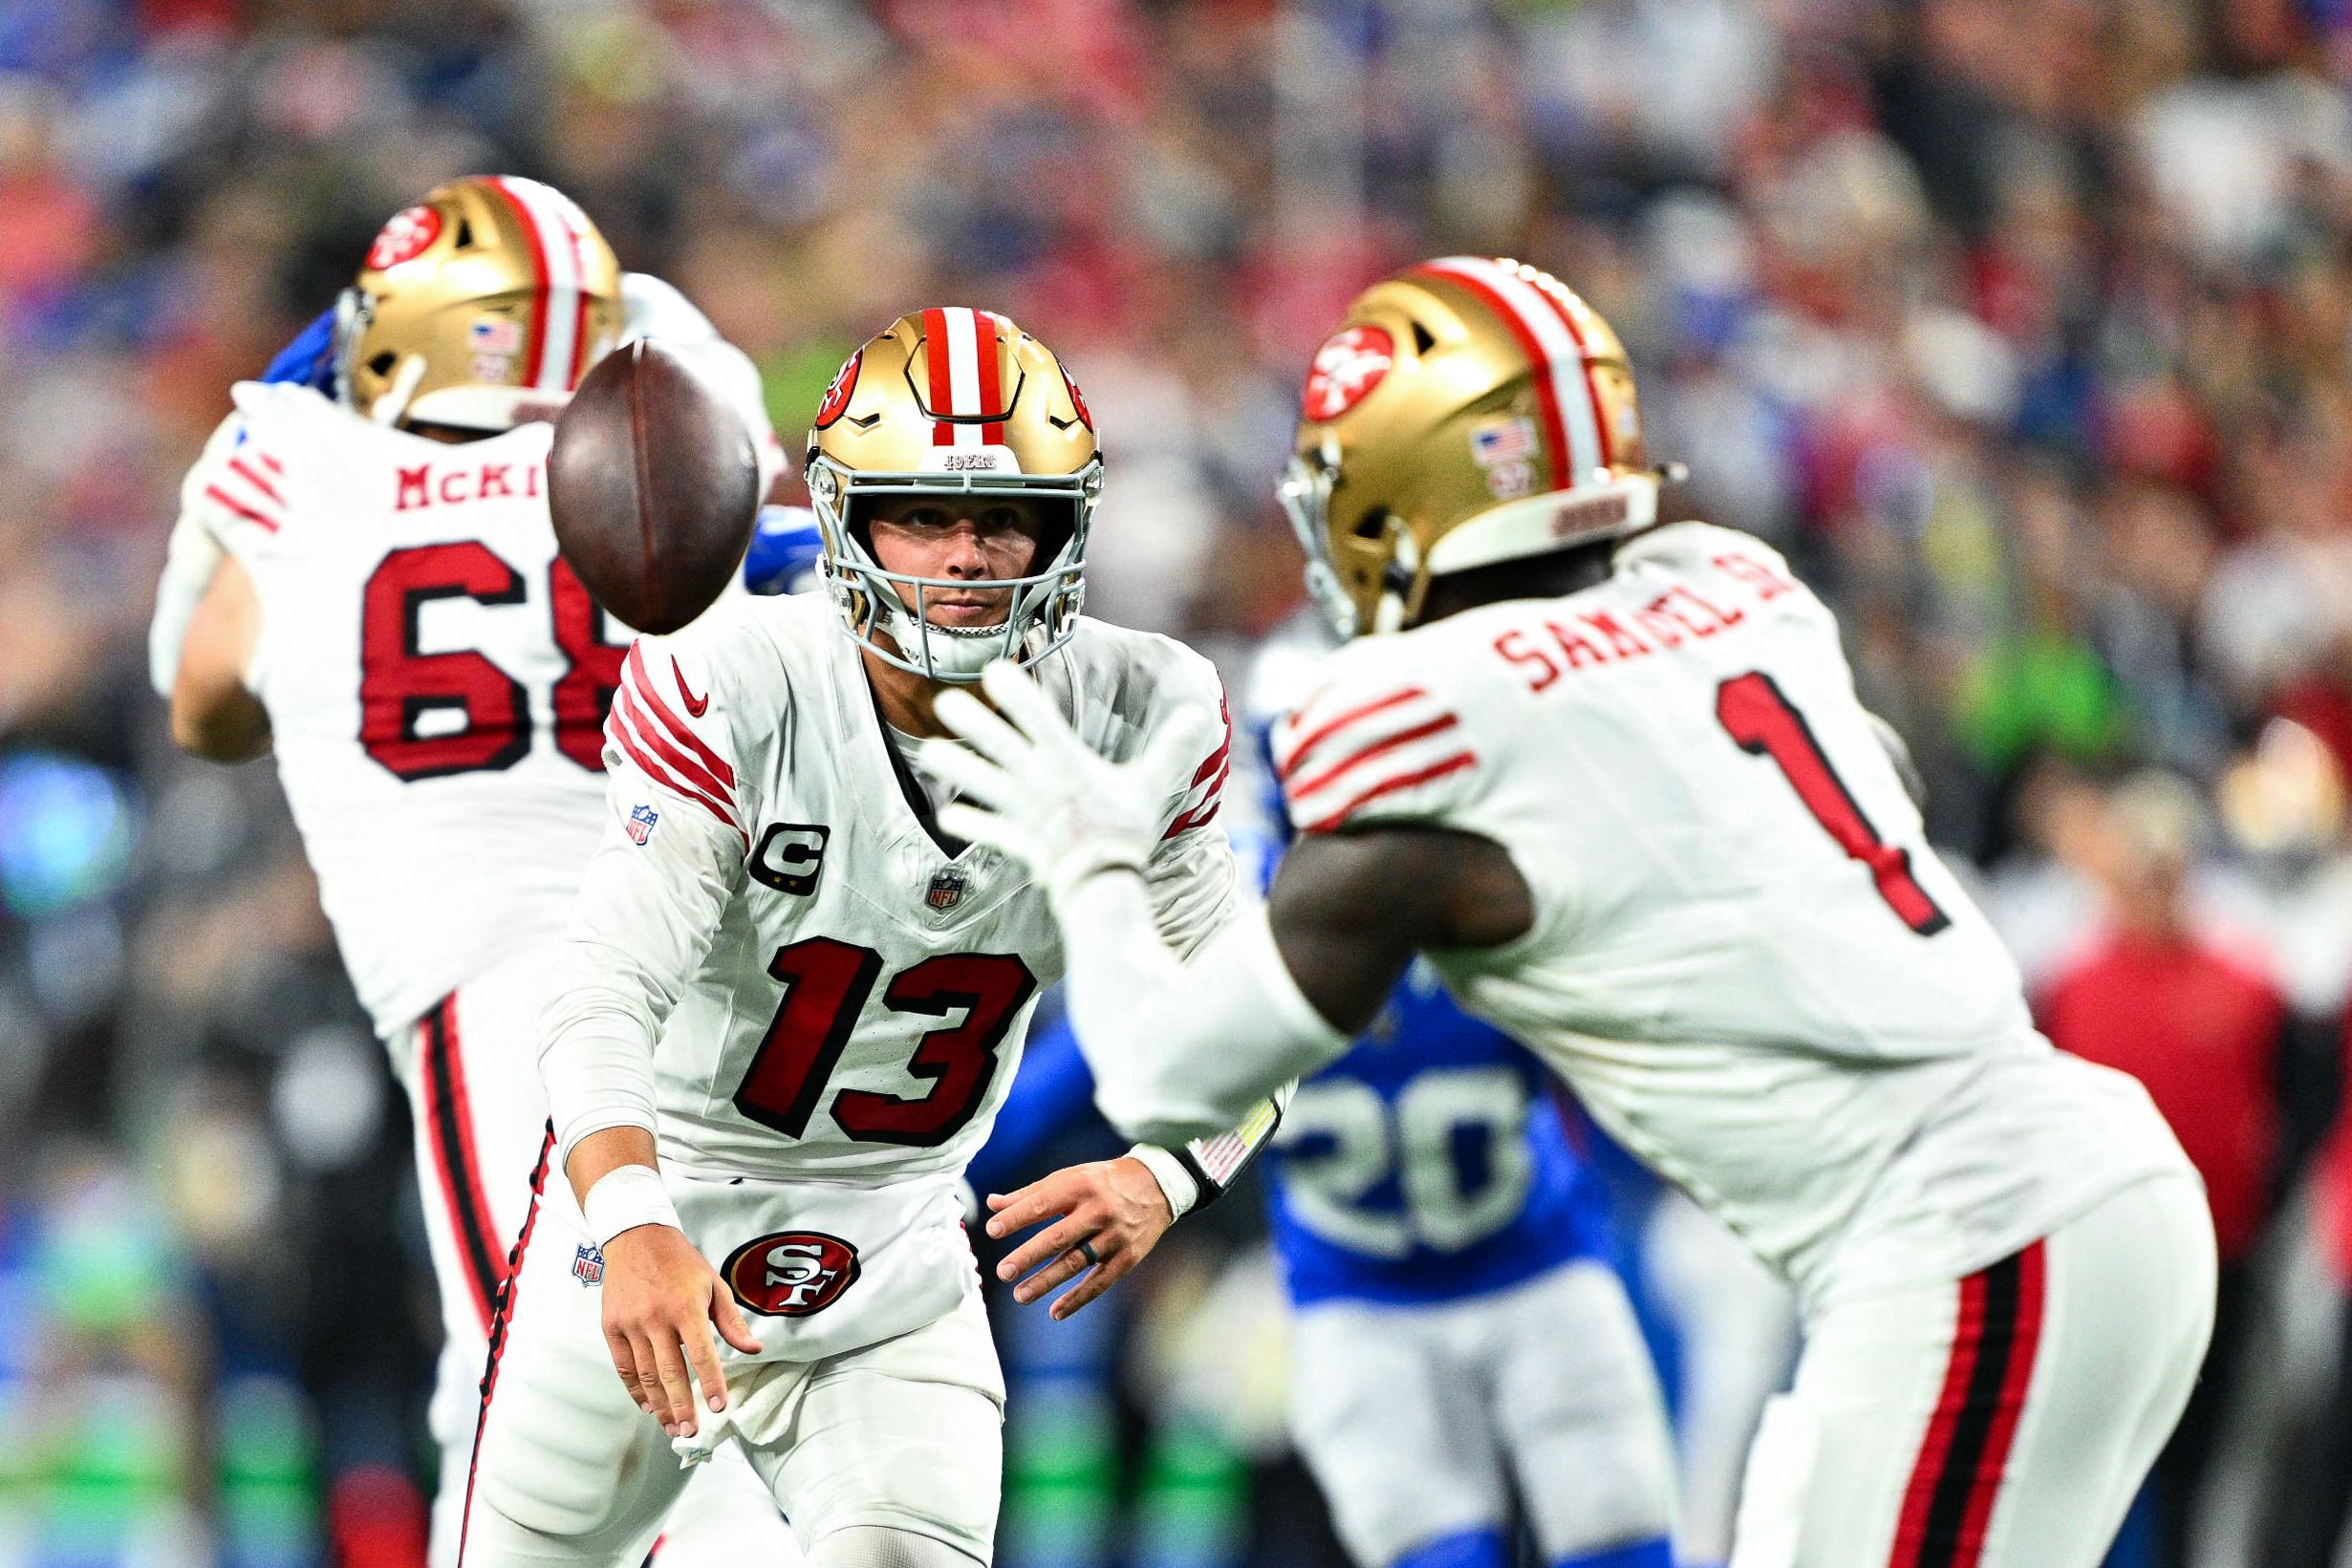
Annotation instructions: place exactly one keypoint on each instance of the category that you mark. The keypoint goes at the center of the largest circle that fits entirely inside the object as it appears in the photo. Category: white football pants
(899, 1439)
(2000, 1421)
(470, 1068)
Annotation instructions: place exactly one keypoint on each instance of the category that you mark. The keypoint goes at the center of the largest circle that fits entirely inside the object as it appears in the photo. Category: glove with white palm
(1032, 788)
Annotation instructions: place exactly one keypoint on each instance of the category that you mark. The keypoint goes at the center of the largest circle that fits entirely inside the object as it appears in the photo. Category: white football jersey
(839, 1001)
(436, 680)
(1745, 957)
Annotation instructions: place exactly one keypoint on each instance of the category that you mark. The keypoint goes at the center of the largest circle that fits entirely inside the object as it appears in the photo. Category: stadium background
(2024, 326)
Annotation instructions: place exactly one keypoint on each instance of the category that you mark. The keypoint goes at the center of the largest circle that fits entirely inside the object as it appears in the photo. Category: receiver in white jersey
(1745, 957)
(1680, 865)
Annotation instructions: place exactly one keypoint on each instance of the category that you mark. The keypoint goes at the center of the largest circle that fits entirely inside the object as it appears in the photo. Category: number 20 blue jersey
(1429, 1163)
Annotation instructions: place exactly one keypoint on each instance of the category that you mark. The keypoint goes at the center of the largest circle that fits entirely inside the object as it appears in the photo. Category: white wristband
(1175, 1183)
(624, 1198)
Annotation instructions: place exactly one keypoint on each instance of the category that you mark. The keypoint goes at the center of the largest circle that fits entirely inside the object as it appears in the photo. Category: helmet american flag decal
(559, 312)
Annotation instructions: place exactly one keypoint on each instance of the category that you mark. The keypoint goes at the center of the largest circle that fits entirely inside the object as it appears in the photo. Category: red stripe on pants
(501, 1324)
(1964, 1455)
(449, 1131)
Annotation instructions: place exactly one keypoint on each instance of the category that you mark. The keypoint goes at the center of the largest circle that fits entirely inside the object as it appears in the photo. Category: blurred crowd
(2023, 325)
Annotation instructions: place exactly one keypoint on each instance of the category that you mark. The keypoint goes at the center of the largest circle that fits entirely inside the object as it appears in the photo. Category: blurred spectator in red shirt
(2155, 997)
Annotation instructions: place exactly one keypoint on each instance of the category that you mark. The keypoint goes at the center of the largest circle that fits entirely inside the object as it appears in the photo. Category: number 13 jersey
(837, 997)
(1744, 957)
(436, 680)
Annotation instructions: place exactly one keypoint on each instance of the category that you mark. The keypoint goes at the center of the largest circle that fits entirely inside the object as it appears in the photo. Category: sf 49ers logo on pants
(790, 1273)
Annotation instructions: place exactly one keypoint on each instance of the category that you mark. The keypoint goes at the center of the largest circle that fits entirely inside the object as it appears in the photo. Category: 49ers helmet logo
(837, 397)
(1349, 365)
(790, 1273)
(404, 238)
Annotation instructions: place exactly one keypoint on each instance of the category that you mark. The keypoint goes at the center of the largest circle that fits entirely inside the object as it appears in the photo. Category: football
(653, 486)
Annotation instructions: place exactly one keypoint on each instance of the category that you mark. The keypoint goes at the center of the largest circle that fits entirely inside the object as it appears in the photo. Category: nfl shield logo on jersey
(642, 823)
(588, 1264)
(946, 890)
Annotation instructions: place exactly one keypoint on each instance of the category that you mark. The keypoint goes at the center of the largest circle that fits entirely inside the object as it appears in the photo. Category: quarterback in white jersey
(789, 1006)
(367, 584)
(1613, 779)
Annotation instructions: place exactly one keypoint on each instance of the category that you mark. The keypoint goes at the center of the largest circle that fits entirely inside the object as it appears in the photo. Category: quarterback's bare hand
(660, 1301)
(1112, 1207)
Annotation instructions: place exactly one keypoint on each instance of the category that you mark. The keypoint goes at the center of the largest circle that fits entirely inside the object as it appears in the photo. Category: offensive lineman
(840, 993)
(1612, 779)
(364, 579)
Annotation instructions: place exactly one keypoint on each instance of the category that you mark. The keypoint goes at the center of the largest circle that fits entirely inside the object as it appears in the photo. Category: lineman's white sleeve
(195, 551)
(1193, 884)
(1186, 1048)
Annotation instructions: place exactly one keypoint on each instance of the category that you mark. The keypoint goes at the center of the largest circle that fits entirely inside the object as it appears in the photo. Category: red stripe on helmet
(991, 375)
(573, 217)
(541, 273)
(1551, 291)
(1547, 400)
(943, 380)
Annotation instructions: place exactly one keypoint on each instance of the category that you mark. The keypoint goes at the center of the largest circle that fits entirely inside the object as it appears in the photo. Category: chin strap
(394, 403)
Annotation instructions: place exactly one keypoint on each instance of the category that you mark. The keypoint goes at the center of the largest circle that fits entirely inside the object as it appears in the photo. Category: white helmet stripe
(555, 234)
(1563, 357)
(963, 372)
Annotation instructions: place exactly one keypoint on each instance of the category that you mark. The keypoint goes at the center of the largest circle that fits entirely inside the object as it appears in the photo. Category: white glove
(1040, 794)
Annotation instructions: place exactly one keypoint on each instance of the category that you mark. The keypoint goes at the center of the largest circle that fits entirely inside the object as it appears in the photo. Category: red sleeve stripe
(1404, 780)
(271, 463)
(1298, 750)
(1201, 815)
(256, 481)
(1216, 759)
(249, 513)
(1378, 748)
(643, 685)
(619, 733)
(679, 763)
(1212, 771)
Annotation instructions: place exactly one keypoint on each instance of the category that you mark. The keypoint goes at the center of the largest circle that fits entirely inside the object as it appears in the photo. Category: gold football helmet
(954, 402)
(492, 296)
(1467, 411)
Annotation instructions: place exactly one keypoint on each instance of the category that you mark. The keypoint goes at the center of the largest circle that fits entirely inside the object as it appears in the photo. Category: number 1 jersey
(436, 680)
(1744, 957)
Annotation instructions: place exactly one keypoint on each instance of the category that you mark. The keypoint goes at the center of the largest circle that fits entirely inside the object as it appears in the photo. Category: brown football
(653, 486)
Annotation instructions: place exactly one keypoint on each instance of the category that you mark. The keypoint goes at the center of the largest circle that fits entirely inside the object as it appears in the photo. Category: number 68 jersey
(1745, 958)
(435, 675)
(839, 999)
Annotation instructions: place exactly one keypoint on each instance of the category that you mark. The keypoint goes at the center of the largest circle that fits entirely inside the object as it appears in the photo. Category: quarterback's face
(958, 539)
